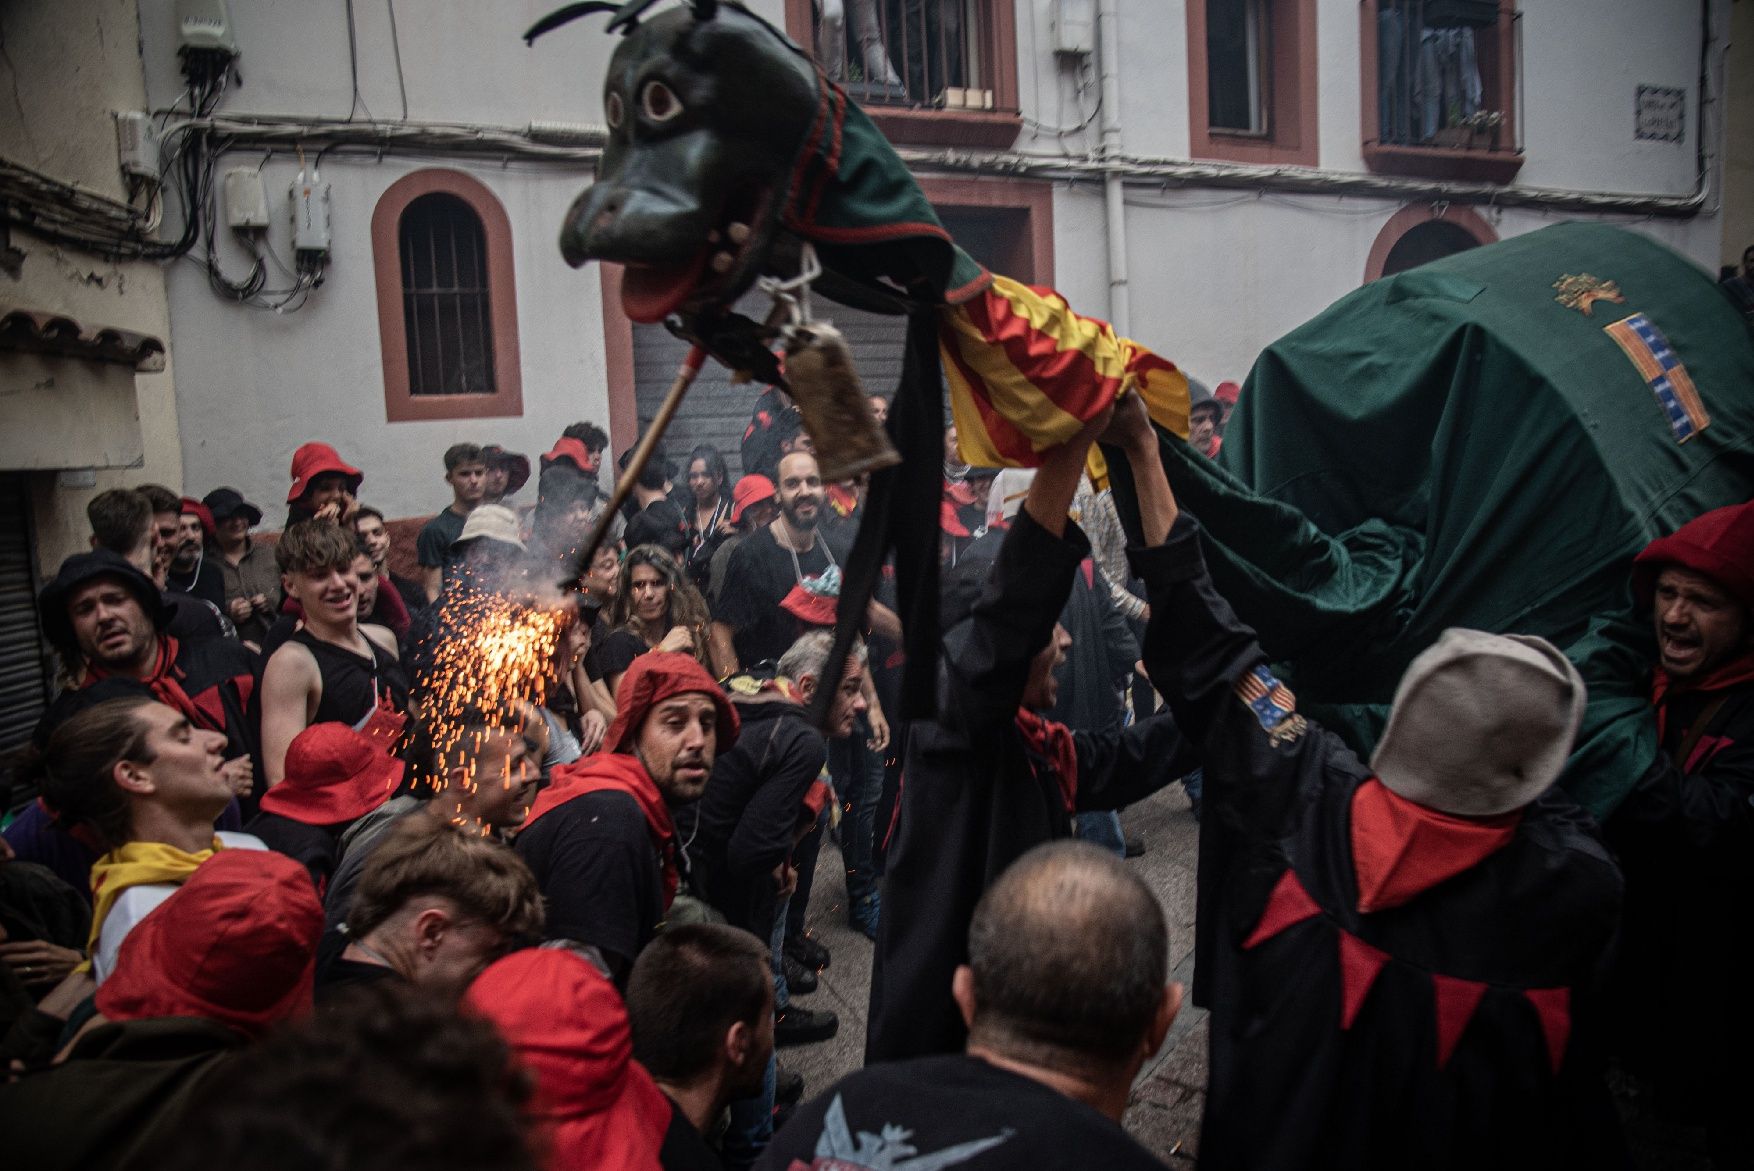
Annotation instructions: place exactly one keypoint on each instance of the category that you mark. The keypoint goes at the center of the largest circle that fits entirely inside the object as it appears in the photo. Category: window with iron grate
(446, 303)
(447, 299)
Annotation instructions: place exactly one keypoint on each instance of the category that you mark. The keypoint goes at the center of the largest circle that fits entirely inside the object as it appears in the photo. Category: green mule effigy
(1484, 441)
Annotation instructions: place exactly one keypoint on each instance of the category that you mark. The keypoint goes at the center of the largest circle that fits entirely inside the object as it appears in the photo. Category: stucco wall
(254, 385)
(65, 69)
(1738, 145)
(1216, 275)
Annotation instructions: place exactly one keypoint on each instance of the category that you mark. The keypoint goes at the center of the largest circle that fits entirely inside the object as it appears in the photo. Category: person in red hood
(600, 838)
(596, 1106)
(334, 776)
(1685, 835)
(214, 967)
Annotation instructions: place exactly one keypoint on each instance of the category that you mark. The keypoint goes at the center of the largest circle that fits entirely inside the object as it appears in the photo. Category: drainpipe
(1113, 187)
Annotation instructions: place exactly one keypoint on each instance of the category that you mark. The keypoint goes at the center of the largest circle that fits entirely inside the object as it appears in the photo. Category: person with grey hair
(1064, 995)
(1404, 959)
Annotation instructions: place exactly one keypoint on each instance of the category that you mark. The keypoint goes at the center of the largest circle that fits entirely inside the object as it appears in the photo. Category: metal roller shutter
(717, 412)
(24, 658)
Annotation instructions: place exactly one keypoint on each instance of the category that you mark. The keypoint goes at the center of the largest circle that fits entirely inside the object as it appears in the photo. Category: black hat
(81, 568)
(225, 503)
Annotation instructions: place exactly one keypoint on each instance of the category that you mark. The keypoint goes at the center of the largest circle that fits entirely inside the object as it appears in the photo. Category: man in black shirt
(466, 473)
(190, 572)
(700, 1005)
(1064, 996)
(748, 622)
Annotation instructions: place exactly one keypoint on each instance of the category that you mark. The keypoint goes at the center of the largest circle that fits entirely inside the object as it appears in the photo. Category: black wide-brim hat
(82, 568)
(225, 503)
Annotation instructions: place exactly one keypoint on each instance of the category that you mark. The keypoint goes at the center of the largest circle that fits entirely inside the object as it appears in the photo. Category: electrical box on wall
(204, 26)
(310, 214)
(136, 144)
(246, 201)
(1074, 24)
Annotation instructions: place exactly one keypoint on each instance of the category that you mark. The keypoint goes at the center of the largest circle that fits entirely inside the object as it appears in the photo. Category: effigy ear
(567, 15)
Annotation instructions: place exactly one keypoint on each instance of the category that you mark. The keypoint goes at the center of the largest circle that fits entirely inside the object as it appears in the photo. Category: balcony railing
(917, 53)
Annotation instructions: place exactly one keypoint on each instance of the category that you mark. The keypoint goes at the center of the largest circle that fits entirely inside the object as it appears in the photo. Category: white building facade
(1271, 154)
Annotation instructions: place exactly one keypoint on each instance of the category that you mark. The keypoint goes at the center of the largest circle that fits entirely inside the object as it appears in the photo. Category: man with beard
(107, 619)
(331, 668)
(1685, 835)
(600, 838)
(190, 572)
(749, 626)
(701, 1009)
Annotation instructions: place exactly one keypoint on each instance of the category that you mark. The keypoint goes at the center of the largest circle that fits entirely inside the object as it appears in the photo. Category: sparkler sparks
(494, 661)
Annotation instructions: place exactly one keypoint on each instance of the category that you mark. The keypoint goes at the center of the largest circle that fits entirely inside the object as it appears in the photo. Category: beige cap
(494, 522)
(1482, 723)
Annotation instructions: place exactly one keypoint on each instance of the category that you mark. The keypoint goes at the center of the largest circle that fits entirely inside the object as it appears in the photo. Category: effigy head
(706, 117)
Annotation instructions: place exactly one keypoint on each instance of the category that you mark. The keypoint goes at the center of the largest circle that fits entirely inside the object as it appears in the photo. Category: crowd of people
(505, 860)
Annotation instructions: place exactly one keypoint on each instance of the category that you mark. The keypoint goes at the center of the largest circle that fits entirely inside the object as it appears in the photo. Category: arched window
(1423, 232)
(447, 307)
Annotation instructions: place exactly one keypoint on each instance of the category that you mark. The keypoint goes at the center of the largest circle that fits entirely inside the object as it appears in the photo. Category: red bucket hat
(237, 944)
(571, 451)
(1227, 393)
(1719, 544)
(751, 489)
(656, 676)
(315, 459)
(333, 775)
(569, 1028)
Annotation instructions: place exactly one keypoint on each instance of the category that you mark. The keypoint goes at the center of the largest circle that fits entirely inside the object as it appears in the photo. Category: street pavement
(1164, 1113)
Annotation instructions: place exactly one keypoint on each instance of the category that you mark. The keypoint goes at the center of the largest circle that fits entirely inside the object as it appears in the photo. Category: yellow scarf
(136, 864)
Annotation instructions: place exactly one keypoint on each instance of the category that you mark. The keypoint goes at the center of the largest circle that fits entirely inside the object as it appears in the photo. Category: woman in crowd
(706, 504)
(655, 608)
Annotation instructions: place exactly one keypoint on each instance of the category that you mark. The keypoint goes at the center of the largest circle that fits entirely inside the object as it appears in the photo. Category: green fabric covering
(1453, 447)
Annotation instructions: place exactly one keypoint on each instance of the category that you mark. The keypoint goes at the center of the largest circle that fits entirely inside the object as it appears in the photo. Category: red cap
(1719, 544)
(333, 775)
(569, 1028)
(237, 944)
(574, 452)
(811, 608)
(315, 459)
(193, 507)
(1227, 393)
(654, 677)
(751, 489)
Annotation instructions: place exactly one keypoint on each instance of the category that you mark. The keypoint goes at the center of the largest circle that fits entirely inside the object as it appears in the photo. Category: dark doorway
(1426, 242)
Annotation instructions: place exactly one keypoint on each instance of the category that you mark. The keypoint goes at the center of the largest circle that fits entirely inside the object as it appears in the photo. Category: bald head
(1069, 954)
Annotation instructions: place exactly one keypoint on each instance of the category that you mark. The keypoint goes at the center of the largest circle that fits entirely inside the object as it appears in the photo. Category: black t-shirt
(684, 1149)
(340, 974)
(952, 1111)
(206, 583)
(595, 864)
(614, 654)
(761, 573)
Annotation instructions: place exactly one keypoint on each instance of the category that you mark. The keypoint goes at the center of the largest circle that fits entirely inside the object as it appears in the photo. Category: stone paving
(1165, 1111)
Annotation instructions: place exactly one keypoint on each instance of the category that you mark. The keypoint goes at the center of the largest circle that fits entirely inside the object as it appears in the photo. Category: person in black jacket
(1685, 834)
(990, 778)
(1405, 960)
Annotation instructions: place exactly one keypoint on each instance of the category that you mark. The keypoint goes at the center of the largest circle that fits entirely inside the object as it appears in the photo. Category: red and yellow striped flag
(1025, 373)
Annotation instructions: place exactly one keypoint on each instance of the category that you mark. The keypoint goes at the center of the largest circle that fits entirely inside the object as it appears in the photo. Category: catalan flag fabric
(1026, 372)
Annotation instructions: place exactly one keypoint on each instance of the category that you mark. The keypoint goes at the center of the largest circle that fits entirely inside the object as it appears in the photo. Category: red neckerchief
(1662, 688)
(1400, 849)
(620, 773)
(164, 679)
(1053, 742)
